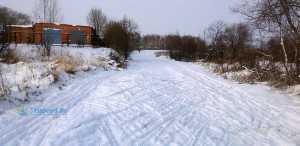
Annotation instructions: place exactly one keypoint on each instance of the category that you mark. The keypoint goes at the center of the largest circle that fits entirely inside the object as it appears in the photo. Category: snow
(21, 76)
(26, 80)
(88, 53)
(157, 101)
(51, 29)
(24, 26)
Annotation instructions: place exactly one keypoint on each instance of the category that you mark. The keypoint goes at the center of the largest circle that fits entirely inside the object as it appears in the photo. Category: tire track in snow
(241, 95)
(30, 124)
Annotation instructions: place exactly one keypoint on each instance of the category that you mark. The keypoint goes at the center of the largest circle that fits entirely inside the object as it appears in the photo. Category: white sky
(188, 17)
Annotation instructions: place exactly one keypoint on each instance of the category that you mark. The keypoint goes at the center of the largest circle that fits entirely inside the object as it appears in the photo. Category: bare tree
(189, 48)
(9, 16)
(131, 28)
(117, 38)
(215, 34)
(214, 31)
(275, 16)
(47, 11)
(98, 20)
(174, 44)
(238, 38)
(184, 48)
(153, 41)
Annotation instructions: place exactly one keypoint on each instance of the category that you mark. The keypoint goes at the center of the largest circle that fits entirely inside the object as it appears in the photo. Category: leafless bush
(280, 80)
(161, 53)
(67, 62)
(117, 38)
(3, 91)
(118, 59)
(9, 56)
(99, 61)
(226, 67)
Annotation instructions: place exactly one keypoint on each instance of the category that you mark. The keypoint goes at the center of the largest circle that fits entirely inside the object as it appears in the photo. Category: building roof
(64, 24)
(23, 26)
(28, 26)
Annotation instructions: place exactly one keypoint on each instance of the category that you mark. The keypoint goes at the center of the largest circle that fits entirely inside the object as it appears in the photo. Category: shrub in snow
(162, 53)
(67, 62)
(9, 55)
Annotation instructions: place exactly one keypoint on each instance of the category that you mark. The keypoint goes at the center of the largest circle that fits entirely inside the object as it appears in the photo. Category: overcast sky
(188, 17)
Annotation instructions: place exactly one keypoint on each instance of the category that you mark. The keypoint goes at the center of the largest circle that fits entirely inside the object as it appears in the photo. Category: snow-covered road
(157, 101)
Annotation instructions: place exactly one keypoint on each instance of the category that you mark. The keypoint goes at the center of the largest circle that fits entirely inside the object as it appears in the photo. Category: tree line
(267, 43)
(271, 34)
(279, 19)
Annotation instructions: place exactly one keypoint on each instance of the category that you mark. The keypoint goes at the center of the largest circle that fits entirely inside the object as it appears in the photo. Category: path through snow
(156, 101)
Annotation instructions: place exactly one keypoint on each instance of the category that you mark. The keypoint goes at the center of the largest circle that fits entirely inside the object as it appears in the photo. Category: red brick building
(64, 33)
(20, 34)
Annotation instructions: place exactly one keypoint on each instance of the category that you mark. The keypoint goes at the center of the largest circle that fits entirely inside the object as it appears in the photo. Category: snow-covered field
(156, 101)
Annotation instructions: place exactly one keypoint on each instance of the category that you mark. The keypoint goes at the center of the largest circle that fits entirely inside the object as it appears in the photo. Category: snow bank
(20, 77)
(91, 57)
(36, 72)
(241, 74)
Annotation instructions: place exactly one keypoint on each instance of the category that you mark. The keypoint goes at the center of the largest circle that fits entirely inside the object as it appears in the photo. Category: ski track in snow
(156, 101)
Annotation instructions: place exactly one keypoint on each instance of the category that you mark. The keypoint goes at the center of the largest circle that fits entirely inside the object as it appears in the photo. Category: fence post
(20, 35)
(10, 37)
(16, 39)
(42, 44)
(67, 39)
(93, 41)
(33, 35)
(28, 38)
(61, 40)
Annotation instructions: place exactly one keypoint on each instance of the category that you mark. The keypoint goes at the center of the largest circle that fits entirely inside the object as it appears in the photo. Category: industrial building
(40, 33)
